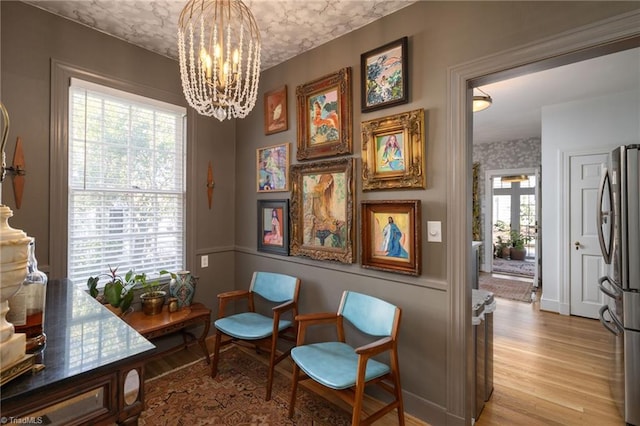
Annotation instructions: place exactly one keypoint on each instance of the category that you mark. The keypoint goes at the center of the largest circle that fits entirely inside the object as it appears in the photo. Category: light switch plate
(434, 232)
(204, 261)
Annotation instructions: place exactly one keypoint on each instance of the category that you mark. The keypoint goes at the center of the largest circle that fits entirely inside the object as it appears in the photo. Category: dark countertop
(83, 338)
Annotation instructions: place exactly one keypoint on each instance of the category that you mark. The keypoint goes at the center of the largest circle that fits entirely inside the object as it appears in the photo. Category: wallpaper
(514, 154)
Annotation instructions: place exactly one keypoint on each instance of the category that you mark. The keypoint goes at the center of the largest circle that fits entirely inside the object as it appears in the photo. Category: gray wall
(441, 35)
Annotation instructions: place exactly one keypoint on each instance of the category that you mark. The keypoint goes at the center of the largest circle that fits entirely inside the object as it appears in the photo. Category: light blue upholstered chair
(260, 331)
(345, 369)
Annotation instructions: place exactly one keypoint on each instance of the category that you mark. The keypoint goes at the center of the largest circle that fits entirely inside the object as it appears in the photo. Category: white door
(586, 261)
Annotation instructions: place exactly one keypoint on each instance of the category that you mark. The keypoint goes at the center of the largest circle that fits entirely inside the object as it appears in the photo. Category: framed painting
(384, 76)
(272, 168)
(324, 116)
(393, 152)
(391, 236)
(273, 226)
(322, 214)
(275, 111)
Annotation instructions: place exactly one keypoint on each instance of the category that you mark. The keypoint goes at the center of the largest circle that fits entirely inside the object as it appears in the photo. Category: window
(514, 208)
(126, 183)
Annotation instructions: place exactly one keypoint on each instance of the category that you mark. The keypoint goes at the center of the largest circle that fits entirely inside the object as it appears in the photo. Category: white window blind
(126, 183)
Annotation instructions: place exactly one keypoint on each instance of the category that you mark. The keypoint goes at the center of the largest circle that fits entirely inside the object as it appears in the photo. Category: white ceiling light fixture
(219, 53)
(481, 102)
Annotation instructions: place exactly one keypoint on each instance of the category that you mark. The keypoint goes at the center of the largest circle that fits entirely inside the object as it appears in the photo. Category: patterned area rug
(507, 289)
(517, 267)
(189, 396)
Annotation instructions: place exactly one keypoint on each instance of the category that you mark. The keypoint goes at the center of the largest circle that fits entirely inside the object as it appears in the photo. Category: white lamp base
(12, 350)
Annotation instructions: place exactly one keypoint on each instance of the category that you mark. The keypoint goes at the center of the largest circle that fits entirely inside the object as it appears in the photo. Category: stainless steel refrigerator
(619, 235)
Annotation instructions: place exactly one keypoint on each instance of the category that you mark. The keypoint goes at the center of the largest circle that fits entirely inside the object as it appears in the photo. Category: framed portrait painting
(273, 226)
(325, 116)
(393, 152)
(384, 76)
(322, 213)
(391, 236)
(275, 111)
(272, 168)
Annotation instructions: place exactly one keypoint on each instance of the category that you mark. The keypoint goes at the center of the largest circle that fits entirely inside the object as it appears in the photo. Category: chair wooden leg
(272, 362)
(400, 404)
(216, 354)
(398, 389)
(357, 404)
(294, 388)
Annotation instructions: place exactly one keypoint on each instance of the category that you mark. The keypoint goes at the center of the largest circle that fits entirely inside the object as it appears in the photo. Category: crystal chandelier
(219, 53)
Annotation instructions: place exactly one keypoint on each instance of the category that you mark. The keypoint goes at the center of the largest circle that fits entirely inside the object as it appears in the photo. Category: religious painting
(393, 152)
(325, 116)
(275, 111)
(384, 76)
(273, 226)
(272, 168)
(391, 236)
(322, 211)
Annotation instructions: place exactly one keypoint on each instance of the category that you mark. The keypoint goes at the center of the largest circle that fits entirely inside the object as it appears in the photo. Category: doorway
(512, 218)
(589, 42)
(573, 119)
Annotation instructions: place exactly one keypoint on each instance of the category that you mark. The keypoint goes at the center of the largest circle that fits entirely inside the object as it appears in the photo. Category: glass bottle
(27, 306)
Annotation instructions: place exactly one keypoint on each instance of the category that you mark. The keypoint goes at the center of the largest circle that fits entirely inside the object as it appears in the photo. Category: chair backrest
(369, 314)
(274, 287)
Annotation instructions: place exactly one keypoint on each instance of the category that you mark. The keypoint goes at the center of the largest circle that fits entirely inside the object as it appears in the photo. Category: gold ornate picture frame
(322, 212)
(324, 110)
(391, 236)
(393, 152)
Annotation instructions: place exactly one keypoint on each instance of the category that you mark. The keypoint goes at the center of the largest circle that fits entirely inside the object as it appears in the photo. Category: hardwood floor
(549, 369)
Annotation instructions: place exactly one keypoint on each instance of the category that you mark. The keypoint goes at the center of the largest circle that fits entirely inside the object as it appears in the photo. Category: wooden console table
(153, 326)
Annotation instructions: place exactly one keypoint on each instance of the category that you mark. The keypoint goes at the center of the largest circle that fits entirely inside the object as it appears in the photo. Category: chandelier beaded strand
(219, 53)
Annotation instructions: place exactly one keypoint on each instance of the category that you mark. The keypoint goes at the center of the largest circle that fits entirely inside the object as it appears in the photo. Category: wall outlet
(204, 261)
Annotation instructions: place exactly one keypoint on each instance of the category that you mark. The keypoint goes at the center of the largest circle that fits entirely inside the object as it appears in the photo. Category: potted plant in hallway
(503, 247)
(117, 293)
(517, 251)
(152, 296)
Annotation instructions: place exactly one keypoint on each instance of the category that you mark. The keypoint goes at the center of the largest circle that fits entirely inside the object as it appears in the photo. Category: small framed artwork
(272, 168)
(393, 152)
(391, 236)
(273, 226)
(384, 76)
(325, 116)
(322, 213)
(275, 111)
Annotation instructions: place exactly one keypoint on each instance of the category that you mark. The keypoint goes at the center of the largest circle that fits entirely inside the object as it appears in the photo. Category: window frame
(61, 74)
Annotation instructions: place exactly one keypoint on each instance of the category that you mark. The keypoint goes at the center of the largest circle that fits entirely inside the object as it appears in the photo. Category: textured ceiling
(287, 28)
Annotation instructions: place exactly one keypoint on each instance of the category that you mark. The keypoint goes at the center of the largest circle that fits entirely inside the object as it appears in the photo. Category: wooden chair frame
(269, 344)
(354, 396)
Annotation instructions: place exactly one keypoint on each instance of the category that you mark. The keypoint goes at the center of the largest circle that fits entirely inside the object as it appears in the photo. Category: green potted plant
(502, 247)
(518, 240)
(153, 295)
(117, 292)
(503, 243)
